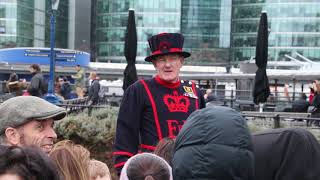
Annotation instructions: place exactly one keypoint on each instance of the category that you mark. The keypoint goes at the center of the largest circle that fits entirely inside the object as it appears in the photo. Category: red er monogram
(176, 103)
(174, 127)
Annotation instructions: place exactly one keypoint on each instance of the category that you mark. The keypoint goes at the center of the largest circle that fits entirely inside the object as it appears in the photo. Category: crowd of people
(164, 132)
(38, 85)
(28, 149)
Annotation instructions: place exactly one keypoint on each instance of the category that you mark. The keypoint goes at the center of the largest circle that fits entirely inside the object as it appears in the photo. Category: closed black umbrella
(130, 52)
(261, 90)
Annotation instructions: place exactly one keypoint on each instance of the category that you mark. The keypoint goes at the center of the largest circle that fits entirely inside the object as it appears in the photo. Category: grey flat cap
(19, 110)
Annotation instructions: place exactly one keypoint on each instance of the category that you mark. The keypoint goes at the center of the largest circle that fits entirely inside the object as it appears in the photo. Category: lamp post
(51, 97)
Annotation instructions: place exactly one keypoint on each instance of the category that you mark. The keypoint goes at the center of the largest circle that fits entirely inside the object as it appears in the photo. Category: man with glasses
(156, 108)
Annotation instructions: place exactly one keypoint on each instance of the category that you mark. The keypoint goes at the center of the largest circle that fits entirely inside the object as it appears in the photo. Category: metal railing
(80, 104)
(242, 100)
(280, 119)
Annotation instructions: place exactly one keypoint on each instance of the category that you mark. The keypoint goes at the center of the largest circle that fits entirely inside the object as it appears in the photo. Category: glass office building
(206, 27)
(26, 23)
(152, 17)
(204, 23)
(294, 28)
(61, 24)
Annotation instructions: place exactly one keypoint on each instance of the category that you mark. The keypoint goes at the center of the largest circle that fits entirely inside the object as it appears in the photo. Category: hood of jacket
(286, 154)
(215, 144)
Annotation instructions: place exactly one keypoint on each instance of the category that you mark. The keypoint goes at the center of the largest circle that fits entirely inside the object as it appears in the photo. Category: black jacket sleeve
(35, 85)
(316, 100)
(94, 92)
(202, 102)
(128, 125)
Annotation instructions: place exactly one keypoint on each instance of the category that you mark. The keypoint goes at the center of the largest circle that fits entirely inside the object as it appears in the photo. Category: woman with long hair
(71, 160)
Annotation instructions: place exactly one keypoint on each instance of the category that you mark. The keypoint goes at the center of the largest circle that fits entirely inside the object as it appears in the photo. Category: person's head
(34, 68)
(311, 90)
(286, 154)
(208, 91)
(78, 67)
(214, 143)
(93, 75)
(165, 149)
(60, 80)
(303, 96)
(146, 166)
(167, 55)
(26, 163)
(13, 77)
(71, 160)
(65, 79)
(316, 86)
(29, 120)
(98, 170)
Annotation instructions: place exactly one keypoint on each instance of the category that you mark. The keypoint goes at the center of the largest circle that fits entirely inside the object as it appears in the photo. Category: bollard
(231, 102)
(276, 121)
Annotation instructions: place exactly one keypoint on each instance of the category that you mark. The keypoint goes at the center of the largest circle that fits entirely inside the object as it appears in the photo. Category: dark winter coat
(300, 105)
(214, 144)
(286, 154)
(38, 86)
(65, 90)
(94, 91)
(316, 104)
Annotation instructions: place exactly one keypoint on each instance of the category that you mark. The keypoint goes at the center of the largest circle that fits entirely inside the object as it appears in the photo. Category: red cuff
(122, 153)
(119, 164)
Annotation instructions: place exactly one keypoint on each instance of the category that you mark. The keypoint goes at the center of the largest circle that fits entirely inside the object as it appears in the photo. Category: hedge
(96, 133)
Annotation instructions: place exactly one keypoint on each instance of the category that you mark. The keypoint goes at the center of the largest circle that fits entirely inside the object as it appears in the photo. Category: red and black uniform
(151, 110)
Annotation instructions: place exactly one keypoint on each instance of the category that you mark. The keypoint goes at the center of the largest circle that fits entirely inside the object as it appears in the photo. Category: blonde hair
(98, 168)
(71, 160)
(93, 75)
(317, 86)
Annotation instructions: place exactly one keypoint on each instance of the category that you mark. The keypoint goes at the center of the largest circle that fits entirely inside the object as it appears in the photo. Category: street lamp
(51, 97)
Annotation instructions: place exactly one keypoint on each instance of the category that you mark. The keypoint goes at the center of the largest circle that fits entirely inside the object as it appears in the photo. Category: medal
(189, 92)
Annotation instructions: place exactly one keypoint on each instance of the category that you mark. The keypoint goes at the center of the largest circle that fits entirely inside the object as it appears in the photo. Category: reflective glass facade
(61, 24)
(204, 23)
(152, 17)
(18, 19)
(206, 27)
(216, 31)
(294, 27)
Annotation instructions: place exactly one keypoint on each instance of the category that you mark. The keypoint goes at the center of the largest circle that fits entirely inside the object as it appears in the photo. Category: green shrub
(96, 132)
(96, 129)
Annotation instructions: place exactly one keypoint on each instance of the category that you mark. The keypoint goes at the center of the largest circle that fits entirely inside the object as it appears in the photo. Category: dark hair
(29, 163)
(165, 149)
(148, 166)
(65, 79)
(35, 67)
(13, 77)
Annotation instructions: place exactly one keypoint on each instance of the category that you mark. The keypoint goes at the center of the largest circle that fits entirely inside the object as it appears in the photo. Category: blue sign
(64, 57)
